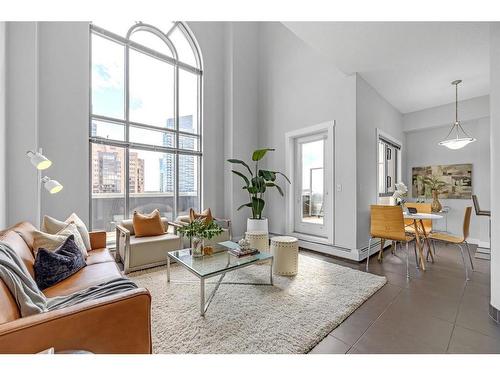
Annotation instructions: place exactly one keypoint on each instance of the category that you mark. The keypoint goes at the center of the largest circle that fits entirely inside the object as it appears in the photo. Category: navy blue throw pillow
(54, 266)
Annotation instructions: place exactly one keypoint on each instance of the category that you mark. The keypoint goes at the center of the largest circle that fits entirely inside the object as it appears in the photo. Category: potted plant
(436, 186)
(197, 231)
(256, 184)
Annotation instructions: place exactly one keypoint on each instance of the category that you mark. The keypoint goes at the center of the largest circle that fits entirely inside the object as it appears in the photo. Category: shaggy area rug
(290, 317)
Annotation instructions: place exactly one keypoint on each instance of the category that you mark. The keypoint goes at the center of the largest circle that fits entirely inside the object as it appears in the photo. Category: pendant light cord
(457, 126)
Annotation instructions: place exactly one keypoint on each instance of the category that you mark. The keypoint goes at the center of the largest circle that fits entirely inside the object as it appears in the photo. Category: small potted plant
(197, 231)
(256, 184)
(436, 186)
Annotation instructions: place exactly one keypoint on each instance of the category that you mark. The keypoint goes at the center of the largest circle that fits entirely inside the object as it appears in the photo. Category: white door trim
(328, 128)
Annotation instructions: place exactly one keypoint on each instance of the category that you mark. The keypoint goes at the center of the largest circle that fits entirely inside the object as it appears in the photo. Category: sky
(151, 86)
(312, 157)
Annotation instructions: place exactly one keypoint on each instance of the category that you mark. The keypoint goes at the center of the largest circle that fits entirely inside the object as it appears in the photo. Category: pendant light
(459, 141)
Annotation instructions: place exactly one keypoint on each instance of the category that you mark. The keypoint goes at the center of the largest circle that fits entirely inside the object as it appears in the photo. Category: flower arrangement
(199, 230)
(399, 195)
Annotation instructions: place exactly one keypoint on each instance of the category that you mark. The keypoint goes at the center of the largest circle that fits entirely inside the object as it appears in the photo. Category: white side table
(285, 250)
(258, 240)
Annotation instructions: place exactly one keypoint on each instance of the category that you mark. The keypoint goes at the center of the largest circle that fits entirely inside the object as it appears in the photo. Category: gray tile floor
(434, 312)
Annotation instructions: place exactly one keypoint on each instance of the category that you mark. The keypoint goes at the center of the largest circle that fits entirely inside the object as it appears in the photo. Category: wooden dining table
(418, 225)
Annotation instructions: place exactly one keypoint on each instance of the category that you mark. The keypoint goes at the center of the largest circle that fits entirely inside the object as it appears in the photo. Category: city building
(187, 164)
(108, 170)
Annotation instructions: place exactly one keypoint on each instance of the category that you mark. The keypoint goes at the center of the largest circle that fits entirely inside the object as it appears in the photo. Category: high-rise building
(187, 164)
(108, 170)
(136, 173)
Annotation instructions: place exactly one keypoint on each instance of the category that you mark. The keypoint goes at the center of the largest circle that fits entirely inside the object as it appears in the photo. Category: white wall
(495, 161)
(58, 101)
(210, 37)
(21, 119)
(242, 74)
(469, 109)
(423, 149)
(372, 112)
(299, 88)
(3, 134)
(64, 114)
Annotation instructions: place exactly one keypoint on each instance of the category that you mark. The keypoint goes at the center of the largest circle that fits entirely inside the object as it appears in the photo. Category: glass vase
(436, 205)
(197, 247)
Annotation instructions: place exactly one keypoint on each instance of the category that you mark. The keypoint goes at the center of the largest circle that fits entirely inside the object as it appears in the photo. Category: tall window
(388, 160)
(145, 122)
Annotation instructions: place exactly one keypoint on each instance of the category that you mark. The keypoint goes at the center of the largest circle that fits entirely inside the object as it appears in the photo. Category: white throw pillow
(52, 241)
(52, 226)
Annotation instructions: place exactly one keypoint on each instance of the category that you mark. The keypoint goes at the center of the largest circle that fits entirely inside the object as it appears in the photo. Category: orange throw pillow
(146, 225)
(205, 215)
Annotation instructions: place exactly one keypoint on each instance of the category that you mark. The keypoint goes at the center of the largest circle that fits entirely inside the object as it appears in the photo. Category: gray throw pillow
(52, 267)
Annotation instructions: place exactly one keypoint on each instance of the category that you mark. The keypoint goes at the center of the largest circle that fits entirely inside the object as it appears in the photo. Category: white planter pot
(257, 225)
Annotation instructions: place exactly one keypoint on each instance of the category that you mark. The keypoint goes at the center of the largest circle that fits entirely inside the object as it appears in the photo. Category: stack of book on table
(234, 249)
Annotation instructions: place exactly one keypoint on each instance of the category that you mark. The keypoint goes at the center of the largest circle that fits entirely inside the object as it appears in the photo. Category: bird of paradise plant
(257, 182)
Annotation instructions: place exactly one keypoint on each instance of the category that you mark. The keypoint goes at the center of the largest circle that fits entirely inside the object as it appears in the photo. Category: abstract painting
(457, 179)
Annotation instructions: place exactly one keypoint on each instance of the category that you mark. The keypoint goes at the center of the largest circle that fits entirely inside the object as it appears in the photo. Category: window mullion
(200, 144)
(127, 132)
(176, 158)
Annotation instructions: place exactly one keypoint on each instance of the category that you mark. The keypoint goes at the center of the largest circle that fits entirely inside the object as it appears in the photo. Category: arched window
(145, 121)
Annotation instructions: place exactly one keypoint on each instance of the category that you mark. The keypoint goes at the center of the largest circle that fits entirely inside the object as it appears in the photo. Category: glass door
(310, 185)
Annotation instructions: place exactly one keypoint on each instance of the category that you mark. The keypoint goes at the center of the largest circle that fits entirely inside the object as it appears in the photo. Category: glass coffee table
(219, 263)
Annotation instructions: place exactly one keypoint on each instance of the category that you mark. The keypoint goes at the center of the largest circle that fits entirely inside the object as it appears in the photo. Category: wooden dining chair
(483, 254)
(387, 223)
(424, 208)
(459, 241)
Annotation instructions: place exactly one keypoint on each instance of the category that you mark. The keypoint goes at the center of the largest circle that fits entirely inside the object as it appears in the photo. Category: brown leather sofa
(114, 324)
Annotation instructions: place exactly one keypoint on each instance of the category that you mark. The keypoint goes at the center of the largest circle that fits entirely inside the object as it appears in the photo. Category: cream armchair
(226, 234)
(144, 252)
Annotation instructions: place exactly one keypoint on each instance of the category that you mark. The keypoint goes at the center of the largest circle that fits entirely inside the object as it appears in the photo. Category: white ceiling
(411, 64)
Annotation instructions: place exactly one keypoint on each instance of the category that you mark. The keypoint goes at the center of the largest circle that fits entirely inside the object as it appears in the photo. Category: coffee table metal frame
(204, 304)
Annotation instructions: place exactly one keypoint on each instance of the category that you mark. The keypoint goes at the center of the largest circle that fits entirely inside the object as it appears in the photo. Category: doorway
(310, 163)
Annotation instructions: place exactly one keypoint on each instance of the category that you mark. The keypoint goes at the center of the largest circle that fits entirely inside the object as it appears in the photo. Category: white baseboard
(479, 243)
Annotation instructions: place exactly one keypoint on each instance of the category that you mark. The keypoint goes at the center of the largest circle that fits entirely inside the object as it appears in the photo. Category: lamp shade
(38, 160)
(52, 186)
(457, 143)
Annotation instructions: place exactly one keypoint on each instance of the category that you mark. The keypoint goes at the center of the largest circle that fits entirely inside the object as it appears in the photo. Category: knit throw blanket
(29, 297)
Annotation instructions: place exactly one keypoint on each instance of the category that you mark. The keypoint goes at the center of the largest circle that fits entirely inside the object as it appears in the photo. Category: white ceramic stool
(258, 240)
(285, 251)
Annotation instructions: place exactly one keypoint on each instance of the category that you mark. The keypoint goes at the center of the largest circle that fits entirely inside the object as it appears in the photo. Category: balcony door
(311, 165)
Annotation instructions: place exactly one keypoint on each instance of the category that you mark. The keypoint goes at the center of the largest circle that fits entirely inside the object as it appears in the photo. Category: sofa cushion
(25, 230)
(99, 256)
(22, 249)
(52, 241)
(146, 225)
(128, 225)
(205, 215)
(52, 267)
(88, 276)
(150, 250)
(52, 226)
